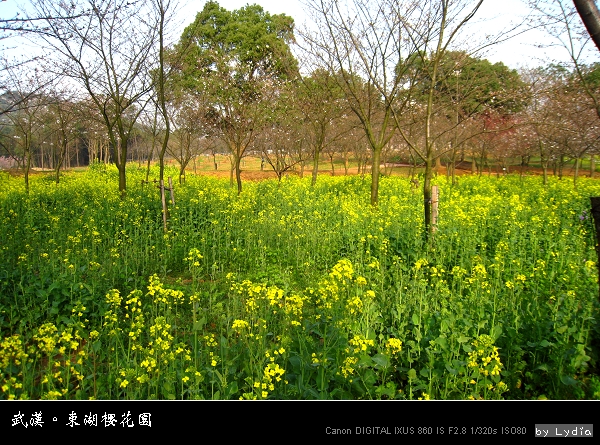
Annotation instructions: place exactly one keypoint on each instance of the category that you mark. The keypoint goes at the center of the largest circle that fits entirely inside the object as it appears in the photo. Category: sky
(493, 16)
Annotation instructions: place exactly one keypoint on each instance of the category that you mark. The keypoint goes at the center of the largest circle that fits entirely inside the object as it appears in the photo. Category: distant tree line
(378, 83)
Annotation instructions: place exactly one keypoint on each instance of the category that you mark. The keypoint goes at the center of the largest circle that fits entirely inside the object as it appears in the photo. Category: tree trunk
(590, 16)
(27, 168)
(122, 180)
(427, 197)
(561, 164)
(375, 176)
(453, 166)
(315, 170)
(238, 174)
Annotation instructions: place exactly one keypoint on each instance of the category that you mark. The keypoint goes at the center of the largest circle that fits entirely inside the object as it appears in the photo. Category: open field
(296, 292)
(251, 168)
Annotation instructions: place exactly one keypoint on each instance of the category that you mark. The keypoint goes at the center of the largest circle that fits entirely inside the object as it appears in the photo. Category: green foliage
(474, 84)
(235, 49)
(232, 64)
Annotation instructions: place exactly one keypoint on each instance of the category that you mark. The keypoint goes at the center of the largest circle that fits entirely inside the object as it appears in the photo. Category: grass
(296, 292)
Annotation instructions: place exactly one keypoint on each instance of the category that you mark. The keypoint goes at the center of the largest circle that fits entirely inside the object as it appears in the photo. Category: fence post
(596, 214)
(171, 190)
(164, 203)
(435, 194)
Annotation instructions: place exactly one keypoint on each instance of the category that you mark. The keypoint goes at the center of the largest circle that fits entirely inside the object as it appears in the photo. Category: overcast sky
(493, 16)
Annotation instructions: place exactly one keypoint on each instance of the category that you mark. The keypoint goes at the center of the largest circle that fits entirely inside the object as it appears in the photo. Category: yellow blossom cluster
(348, 365)
(166, 297)
(239, 326)
(12, 353)
(393, 346)
(360, 344)
(193, 258)
(485, 362)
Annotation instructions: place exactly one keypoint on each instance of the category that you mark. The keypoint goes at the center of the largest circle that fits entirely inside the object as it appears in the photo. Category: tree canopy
(235, 60)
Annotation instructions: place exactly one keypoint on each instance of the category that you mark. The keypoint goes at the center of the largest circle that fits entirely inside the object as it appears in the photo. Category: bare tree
(381, 48)
(187, 125)
(63, 118)
(97, 51)
(322, 105)
(163, 11)
(561, 22)
(27, 128)
(11, 29)
(360, 41)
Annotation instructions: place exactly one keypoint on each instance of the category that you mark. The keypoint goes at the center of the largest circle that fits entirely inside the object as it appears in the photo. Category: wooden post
(435, 194)
(164, 203)
(171, 190)
(596, 214)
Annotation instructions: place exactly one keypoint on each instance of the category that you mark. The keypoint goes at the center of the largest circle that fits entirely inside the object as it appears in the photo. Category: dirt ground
(397, 170)
(252, 172)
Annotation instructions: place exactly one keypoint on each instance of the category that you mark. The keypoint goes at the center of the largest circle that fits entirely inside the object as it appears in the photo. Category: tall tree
(467, 90)
(163, 10)
(321, 102)
(562, 23)
(375, 46)
(92, 42)
(237, 59)
(360, 41)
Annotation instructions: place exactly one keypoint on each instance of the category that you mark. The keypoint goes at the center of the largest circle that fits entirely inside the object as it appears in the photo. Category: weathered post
(596, 214)
(435, 194)
(164, 203)
(171, 190)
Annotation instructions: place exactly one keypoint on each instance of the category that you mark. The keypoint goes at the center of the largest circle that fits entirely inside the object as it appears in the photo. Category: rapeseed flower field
(290, 291)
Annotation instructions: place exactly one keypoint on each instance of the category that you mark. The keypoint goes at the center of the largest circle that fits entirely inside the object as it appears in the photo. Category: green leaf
(199, 324)
(496, 332)
(442, 342)
(562, 329)
(451, 370)
(369, 378)
(296, 363)
(568, 380)
(322, 380)
(381, 360)
(365, 360)
(425, 372)
(445, 325)
(415, 319)
(417, 334)
(232, 389)
(412, 374)
(462, 339)
(545, 344)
